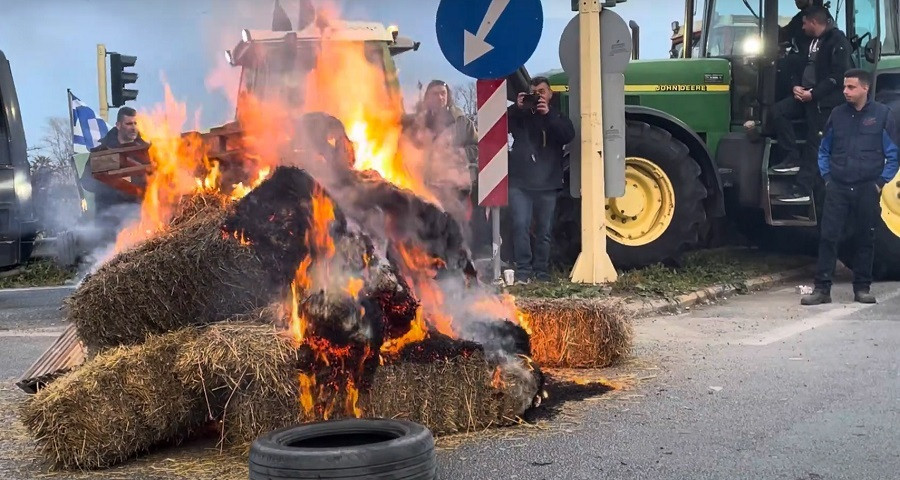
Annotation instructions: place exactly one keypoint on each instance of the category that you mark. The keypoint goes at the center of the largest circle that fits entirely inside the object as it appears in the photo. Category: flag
(87, 128)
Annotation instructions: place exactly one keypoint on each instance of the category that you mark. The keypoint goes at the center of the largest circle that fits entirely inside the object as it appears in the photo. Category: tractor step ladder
(780, 213)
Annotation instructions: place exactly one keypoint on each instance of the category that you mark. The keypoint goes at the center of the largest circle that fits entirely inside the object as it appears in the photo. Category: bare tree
(466, 98)
(56, 197)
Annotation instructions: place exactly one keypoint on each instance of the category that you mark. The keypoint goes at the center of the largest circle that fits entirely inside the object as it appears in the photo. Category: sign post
(488, 40)
(593, 264)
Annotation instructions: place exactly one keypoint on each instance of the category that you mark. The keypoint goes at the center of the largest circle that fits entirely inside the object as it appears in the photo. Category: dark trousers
(856, 207)
(525, 205)
(786, 110)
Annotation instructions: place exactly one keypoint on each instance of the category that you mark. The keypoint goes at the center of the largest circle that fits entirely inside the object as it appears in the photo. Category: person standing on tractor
(538, 132)
(817, 93)
(858, 156)
(790, 67)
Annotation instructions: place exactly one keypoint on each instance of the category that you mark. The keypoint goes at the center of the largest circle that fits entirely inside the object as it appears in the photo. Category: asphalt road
(754, 387)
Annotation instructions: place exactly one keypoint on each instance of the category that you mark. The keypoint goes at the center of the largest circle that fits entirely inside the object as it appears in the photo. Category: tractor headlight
(752, 46)
(245, 35)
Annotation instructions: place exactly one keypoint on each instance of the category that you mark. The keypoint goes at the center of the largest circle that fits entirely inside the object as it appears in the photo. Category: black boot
(863, 296)
(818, 297)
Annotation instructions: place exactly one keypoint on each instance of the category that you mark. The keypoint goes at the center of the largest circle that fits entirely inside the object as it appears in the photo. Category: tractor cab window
(280, 71)
(734, 28)
(890, 34)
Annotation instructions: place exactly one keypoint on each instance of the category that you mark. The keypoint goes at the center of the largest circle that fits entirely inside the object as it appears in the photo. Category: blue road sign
(489, 38)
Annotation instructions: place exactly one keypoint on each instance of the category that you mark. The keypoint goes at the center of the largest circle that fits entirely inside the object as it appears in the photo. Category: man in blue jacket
(538, 133)
(857, 157)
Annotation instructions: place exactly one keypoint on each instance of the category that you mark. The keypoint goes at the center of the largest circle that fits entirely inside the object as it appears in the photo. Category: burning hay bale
(119, 404)
(192, 273)
(451, 387)
(214, 261)
(577, 333)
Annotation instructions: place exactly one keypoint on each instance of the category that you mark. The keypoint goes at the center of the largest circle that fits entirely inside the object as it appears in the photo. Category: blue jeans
(525, 205)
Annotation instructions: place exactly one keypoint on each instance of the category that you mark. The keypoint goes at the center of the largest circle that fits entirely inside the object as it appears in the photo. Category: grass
(699, 269)
(36, 273)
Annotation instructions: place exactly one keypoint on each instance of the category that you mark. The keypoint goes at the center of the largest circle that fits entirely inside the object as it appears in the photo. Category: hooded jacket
(832, 61)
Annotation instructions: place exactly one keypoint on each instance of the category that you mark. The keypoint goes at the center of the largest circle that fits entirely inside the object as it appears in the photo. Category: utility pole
(101, 82)
(593, 264)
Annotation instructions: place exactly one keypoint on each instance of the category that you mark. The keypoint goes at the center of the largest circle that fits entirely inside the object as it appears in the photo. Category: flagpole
(72, 150)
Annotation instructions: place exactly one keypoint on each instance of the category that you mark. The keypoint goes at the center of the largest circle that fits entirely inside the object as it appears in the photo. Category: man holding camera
(537, 134)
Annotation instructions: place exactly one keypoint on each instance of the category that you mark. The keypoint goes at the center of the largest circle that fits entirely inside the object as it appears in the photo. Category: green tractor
(699, 141)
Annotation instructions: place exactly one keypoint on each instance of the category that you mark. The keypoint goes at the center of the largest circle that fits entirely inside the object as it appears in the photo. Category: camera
(530, 100)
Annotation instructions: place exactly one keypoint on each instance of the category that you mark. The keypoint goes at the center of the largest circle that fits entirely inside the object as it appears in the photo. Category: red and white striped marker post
(493, 156)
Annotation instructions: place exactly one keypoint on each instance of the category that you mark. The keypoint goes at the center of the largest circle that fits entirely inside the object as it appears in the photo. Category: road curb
(711, 294)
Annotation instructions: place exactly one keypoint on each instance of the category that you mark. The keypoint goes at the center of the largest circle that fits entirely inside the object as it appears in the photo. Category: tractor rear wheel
(660, 215)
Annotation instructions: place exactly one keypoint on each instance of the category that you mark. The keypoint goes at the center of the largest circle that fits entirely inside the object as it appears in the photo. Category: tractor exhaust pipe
(635, 40)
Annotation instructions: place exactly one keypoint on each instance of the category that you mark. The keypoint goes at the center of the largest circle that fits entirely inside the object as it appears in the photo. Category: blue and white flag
(87, 128)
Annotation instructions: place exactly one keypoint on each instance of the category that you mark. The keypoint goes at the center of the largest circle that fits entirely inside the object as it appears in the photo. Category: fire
(352, 400)
(354, 286)
(497, 379)
(372, 114)
(319, 234)
(420, 269)
(307, 384)
(503, 306)
(240, 191)
(417, 332)
(301, 283)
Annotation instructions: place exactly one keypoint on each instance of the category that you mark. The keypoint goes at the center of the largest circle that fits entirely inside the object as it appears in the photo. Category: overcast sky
(52, 44)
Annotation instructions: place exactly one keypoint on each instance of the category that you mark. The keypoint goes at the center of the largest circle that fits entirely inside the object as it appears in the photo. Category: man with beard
(857, 158)
(538, 132)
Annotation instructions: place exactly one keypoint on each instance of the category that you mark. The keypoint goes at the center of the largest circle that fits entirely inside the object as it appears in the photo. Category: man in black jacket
(858, 156)
(538, 133)
(818, 92)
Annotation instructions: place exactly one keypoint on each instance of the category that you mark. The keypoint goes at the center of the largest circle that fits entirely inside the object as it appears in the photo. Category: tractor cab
(275, 64)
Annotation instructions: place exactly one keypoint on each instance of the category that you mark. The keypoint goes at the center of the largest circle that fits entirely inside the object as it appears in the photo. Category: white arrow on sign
(475, 45)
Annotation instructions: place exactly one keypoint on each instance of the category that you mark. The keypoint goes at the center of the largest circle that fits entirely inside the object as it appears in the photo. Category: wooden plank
(65, 354)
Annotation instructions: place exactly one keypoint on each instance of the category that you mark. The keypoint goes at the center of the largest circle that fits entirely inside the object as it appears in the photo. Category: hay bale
(245, 372)
(577, 333)
(190, 274)
(119, 404)
(451, 395)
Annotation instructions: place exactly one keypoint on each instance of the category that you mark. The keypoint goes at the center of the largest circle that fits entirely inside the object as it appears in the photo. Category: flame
(497, 379)
(417, 332)
(354, 286)
(239, 190)
(319, 236)
(307, 384)
(352, 400)
(502, 307)
(420, 269)
(371, 115)
(301, 283)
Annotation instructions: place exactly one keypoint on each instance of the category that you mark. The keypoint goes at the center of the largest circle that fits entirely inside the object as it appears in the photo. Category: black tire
(349, 449)
(673, 157)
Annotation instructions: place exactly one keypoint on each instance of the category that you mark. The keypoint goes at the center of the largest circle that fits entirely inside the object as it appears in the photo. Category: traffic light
(119, 78)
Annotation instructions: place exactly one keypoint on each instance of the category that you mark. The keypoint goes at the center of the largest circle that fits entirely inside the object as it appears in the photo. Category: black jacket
(536, 155)
(859, 146)
(832, 61)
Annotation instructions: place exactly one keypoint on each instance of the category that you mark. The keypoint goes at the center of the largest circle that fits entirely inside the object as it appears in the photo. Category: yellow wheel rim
(890, 205)
(645, 211)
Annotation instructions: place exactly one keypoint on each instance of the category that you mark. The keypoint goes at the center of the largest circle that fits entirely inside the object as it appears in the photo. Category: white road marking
(38, 332)
(804, 325)
(36, 289)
